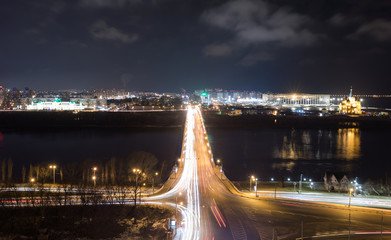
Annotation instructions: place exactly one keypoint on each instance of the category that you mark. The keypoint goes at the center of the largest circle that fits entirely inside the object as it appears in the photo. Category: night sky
(313, 46)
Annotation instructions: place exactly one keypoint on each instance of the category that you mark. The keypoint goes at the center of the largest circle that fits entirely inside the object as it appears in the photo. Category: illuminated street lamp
(54, 172)
(256, 187)
(94, 176)
(350, 195)
(94, 179)
(32, 180)
(252, 178)
(153, 182)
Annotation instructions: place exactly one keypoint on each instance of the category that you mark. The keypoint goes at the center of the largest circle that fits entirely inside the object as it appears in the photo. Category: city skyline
(166, 46)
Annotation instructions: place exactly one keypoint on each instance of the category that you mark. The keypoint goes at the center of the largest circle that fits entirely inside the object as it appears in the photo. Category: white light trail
(188, 183)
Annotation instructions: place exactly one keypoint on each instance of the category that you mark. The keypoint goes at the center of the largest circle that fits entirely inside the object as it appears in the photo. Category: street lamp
(94, 176)
(153, 182)
(54, 172)
(32, 180)
(350, 195)
(256, 187)
(252, 178)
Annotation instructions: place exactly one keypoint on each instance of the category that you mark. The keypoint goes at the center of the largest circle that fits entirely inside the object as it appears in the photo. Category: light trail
(187, 183)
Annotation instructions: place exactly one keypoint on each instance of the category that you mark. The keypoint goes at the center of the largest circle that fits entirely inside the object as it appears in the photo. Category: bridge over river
(210, 207)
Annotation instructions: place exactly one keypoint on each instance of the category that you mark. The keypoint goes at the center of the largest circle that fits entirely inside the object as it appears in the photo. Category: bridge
(210, 207)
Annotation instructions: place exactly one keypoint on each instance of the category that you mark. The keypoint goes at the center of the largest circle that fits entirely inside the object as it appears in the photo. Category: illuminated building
(350, 105)
(71, 105)
(297, 99)
(55, 104)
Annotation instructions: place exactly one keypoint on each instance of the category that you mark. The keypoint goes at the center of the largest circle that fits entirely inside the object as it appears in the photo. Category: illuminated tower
(350, 105)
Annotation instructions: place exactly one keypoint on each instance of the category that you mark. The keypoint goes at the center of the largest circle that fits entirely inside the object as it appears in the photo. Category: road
(364, 201)
(212, 211)
(211, 208)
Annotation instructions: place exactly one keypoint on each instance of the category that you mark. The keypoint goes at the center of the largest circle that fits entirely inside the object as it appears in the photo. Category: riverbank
(25, 120)
(213, 120)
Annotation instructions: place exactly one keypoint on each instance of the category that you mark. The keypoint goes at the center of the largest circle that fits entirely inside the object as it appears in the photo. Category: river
(266, 153)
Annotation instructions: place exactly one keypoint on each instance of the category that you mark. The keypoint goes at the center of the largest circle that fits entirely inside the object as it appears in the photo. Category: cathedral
(350, 105)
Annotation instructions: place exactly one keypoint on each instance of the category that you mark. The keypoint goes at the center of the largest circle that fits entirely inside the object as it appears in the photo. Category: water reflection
(323, 144)
(348, 143)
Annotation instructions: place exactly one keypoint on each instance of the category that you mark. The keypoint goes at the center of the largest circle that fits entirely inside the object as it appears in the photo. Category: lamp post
(54, 172)
(251, 179)
(300, 183)
(256, 187)
(176, 208)
(350, 195)
(94, 176)
(94, 179)
(153, 182)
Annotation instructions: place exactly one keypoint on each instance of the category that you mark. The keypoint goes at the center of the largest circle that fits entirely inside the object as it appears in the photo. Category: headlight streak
(187, 183)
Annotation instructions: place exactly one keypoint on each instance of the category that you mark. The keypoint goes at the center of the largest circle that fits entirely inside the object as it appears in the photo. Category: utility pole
(300, 183)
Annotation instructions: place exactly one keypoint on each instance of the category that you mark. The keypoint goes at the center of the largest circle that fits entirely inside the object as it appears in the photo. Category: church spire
(351, 92)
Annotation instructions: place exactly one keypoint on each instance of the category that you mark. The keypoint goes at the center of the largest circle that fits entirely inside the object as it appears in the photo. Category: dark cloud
(218, 50)
(256, 21)
(379, 30)
(165, 45)
(109, 3)
(254, 58)
(338, 20)
(100, 30)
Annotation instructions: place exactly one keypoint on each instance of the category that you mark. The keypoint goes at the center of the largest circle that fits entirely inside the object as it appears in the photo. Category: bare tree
(61, 175)
(143, 163)
(107, 173)
(3, 170)
(10, 166)
(112, 170)
(31, 171)
(73, 173)
(23, 174)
